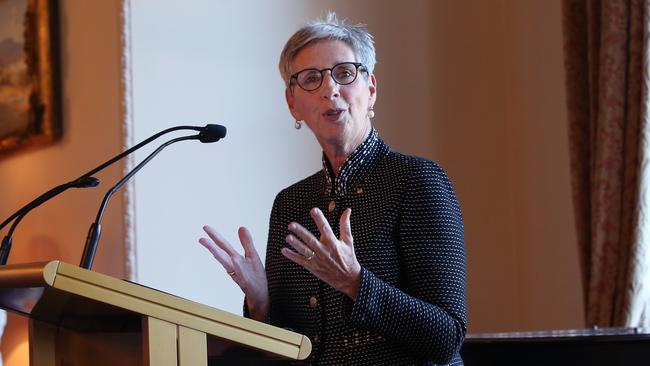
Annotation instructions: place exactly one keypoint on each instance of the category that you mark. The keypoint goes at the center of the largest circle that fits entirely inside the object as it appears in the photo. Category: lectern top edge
(29, 274)
(63, 294)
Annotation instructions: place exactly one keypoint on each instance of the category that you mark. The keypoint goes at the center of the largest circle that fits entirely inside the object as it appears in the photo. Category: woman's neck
(337, 154)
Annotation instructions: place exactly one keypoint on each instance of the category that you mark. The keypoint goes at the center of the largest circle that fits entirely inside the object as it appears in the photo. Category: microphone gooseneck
(5, 248)
(85, 181)
(209, 133)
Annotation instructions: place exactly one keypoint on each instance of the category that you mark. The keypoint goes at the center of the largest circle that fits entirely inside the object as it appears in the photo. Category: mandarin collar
(356, 166)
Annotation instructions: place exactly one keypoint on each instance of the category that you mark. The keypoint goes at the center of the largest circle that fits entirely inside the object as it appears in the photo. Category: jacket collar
(356, 166)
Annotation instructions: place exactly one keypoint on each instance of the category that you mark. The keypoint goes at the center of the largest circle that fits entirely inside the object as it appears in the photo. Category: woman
(366, 257)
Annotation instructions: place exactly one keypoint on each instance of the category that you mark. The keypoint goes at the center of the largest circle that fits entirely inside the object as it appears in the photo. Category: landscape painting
(29, 98)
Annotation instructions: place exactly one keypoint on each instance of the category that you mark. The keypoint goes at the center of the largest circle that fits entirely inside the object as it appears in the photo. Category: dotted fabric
(408, 237)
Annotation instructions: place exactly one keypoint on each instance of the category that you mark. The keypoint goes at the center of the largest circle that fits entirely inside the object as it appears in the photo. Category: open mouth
(334, 112)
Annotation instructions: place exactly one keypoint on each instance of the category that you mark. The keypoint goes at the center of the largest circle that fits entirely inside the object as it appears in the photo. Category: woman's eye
(344, 74)
(311, 78)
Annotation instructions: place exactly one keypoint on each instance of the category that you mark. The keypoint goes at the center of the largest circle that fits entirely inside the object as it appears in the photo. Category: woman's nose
(330, 88)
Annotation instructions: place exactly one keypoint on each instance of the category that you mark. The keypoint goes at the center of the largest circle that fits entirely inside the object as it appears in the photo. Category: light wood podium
(81, 317)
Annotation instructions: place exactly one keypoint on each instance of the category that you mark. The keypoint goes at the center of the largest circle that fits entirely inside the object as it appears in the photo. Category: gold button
(313, 301)
(359, 190)
(331, 206)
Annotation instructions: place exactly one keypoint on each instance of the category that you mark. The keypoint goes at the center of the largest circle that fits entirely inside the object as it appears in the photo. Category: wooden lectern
(81, 317)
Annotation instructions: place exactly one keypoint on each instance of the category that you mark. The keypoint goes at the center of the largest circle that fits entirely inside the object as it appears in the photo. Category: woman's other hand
(247, 271)
(329, 258)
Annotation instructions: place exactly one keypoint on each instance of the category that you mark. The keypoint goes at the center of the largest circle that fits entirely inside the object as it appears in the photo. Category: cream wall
(501, 131)
(212, 62)
(90, 53)
(551, 292)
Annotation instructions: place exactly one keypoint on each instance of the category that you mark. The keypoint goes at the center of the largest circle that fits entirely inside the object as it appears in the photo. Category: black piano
(593, 347)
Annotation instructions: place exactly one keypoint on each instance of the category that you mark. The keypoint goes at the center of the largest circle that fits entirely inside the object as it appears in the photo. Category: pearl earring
(298, 125)
(371, 113)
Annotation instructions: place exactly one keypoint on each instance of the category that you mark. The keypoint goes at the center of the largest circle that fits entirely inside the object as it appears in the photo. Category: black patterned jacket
(408, 237)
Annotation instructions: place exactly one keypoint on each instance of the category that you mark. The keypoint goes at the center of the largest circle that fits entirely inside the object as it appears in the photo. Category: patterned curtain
(606, 61)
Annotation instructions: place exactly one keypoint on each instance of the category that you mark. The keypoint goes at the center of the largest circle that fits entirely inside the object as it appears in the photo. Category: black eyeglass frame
(293, 80)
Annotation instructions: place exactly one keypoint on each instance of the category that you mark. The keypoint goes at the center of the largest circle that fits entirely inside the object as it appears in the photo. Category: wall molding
(126, 105)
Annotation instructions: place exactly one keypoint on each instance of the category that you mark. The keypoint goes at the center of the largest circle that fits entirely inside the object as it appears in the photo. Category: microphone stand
(92, 240)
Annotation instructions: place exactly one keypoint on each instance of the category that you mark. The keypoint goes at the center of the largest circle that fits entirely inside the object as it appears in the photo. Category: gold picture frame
(30, 107)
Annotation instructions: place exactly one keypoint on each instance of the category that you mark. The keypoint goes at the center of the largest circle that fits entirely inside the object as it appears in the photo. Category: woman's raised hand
(247, 271)
(329, 258)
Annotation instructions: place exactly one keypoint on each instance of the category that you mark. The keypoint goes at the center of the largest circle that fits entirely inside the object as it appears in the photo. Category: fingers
(219, 254)
(299, 246)
(220, 240)
(323, 226)
(295, 257)
(246, 240)
(327, 235)
(307, 239)
(345, 226)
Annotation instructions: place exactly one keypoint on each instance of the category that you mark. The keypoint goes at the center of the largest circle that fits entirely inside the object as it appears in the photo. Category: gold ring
(232, 273)
(311, 256)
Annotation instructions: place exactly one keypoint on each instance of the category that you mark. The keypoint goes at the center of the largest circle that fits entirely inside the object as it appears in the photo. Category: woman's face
(337, 114)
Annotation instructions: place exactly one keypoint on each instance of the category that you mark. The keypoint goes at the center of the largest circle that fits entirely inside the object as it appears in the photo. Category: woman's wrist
(258, 310)
(352, 289)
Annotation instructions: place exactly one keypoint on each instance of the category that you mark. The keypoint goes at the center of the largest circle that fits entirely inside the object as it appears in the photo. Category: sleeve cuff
(246, 312)
(356, 311)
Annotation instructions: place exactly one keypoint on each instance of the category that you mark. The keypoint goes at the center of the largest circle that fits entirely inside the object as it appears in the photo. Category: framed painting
(29, 74)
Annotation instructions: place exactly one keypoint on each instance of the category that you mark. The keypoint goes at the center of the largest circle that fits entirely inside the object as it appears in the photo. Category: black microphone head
(85, 182)
(212, 133)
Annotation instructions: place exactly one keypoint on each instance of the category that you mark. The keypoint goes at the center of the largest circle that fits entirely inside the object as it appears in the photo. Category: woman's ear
(372, 87)
(288, 95)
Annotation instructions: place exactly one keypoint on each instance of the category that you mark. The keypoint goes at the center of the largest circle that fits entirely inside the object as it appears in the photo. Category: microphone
(208, 134)
(212, 133)
(5, 248)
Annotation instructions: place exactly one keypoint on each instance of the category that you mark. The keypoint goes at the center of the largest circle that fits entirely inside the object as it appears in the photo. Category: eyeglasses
(343, 74)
